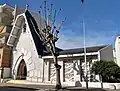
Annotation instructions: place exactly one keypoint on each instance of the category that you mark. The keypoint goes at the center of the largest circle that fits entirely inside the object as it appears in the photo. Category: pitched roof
(34, 24)
(81, 50)
(41, 49)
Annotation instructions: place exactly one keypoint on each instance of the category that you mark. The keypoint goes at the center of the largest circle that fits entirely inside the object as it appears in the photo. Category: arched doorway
(22, 70)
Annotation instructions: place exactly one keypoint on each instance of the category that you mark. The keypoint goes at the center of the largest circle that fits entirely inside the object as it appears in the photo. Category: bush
(109, 70)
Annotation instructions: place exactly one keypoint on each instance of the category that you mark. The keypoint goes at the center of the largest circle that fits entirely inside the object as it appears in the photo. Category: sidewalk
(48, 86)
(28, 82)
(24, 83)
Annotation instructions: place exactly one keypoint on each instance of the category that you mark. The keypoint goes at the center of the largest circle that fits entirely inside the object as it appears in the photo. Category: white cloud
(67, 42)
(73, 37)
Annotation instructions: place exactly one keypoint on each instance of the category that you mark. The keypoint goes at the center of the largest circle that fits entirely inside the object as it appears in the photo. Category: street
(8, 88)
(16, 87)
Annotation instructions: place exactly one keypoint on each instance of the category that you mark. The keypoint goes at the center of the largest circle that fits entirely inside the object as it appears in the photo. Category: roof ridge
(88, 47)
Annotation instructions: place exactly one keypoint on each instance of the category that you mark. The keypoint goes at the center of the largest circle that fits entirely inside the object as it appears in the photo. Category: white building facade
(117, 50)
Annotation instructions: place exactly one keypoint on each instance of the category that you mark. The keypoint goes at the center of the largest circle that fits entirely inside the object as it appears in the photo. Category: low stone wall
(6, 72)
(93, 84)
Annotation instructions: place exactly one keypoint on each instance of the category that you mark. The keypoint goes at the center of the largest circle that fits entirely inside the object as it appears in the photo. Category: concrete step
(28, 82)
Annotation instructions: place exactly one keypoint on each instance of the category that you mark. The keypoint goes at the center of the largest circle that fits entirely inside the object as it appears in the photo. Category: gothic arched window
(24, 28)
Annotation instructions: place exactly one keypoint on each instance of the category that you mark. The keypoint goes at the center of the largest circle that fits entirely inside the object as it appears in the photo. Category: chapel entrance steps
(25, 82)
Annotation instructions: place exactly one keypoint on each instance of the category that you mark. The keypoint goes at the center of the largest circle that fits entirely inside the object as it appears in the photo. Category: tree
(50, 36)
(108, 70)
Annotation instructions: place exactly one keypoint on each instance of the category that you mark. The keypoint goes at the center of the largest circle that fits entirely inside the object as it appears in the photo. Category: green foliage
(109, 70)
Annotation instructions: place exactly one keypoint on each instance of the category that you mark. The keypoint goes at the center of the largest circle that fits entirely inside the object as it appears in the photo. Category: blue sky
(102, 20)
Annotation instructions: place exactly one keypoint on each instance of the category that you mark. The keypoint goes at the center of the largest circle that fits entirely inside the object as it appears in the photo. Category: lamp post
(84, 32)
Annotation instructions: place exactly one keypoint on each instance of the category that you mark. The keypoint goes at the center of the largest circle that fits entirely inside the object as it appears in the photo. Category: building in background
(114, 55)
(117, 50)
(6, 18)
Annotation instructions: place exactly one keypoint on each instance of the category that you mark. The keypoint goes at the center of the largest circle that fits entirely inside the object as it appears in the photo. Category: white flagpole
(85, 55)
(84, 32)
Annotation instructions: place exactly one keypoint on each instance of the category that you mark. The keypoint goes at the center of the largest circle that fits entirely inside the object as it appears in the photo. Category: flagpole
(84, 32)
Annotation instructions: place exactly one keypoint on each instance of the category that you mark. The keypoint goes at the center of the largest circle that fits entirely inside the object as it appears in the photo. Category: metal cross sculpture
(50, 36)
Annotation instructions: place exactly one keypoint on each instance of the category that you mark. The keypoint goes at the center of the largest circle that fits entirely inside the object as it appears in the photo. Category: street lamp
(83, 24)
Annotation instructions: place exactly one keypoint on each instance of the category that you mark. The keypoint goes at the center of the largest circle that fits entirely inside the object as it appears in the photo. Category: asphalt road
(20, 87)
(7, 88)
(15, 87)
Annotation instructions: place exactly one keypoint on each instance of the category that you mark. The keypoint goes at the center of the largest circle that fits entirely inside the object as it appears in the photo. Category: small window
(24, 28)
